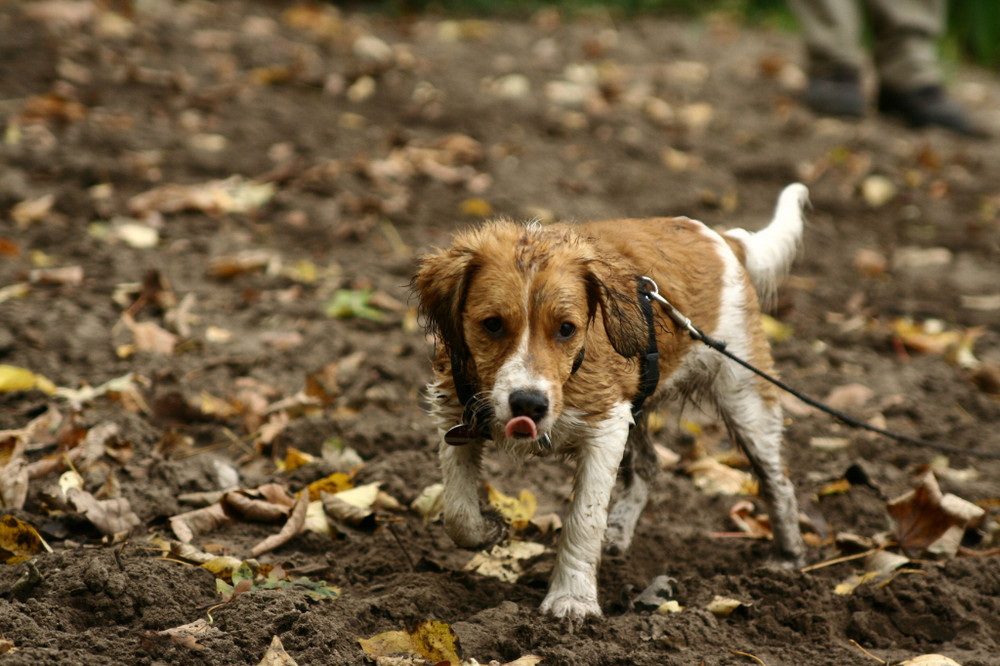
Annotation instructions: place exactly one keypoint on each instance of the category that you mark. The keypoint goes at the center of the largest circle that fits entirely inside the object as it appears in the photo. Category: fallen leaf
(187, 635)
(429, 503)
(149, 336)
(19, 540)
(877, 190)
(187, 525)
(430, 639)
(13, 378)
(849, 396)
(62, 275)
(721, 606)
(231, 195)
(353, 303)
(929, 660)
(294, 525)
(110, 517)
(257, 510)
(295, 459)
(929, 522)
(744, 515)
(713, 478)
(829, 444)
(347, 513)
(503, 561)
(516, 511)
(776, 331)
(32, 210)
(276, 655)
(880, 567)
(332, 484)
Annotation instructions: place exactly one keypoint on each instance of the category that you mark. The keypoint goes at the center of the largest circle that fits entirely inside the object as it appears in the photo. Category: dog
(548, 342)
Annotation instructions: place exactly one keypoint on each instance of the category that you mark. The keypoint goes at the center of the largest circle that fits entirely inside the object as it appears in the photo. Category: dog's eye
(493, 325)
(566, 331)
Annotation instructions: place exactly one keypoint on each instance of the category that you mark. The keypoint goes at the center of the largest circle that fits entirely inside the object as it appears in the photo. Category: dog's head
(516, 308)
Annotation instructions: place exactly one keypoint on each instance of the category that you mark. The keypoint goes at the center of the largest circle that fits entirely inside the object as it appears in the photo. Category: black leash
(697, 334)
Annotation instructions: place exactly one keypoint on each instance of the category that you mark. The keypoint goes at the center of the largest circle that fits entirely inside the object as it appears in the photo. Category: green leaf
(351, 303)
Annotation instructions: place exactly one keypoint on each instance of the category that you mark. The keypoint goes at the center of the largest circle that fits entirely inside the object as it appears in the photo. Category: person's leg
(831, 30)
(910, 78)
(906, 34)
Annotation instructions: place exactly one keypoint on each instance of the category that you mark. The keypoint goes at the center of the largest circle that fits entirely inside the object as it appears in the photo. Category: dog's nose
(532, 404)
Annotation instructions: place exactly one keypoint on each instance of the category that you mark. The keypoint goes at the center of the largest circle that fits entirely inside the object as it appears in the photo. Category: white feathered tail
(771, 251)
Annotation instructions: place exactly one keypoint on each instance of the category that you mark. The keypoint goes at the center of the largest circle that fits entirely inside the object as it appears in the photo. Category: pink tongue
(521, 426)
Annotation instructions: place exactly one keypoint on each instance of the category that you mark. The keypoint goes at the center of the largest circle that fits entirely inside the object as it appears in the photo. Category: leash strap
(649, 371)
(720, 346)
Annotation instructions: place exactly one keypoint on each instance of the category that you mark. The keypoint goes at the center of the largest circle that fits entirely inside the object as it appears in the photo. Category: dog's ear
(441, 284)
(617, 296)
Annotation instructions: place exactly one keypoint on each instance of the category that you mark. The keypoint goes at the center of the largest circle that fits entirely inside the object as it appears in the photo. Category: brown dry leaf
(929, 660)
(19, 540)
(430, 639)
(275, 493)
(880, 566)
(149, 336)
(32, 210)
(849, 396)
(7, 646)
(230, 266)
(929, 522)
(187, 525)
(90, 450)
(713, 478)
(217, 197)
(110, 517)
(249, 508)
(518, 511)
(503, 561)
(276, 655)
(188, 634)
(61, 275)
(349, 514)
(294, 525)
(931, 336)
(125, 389)
(744, 515)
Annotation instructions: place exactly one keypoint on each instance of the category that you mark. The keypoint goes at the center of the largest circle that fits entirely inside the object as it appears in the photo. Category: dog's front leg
(464, 522)
(573, 588)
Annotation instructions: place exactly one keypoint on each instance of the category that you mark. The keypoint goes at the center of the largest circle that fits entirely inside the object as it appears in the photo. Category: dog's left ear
(441, 284)
(617, 296)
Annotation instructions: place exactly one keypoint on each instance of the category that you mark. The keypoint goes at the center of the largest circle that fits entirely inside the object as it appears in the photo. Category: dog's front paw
(477, 531)
(570, 606)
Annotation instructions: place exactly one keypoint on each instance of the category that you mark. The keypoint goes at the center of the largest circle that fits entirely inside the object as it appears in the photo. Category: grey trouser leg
(906, 32)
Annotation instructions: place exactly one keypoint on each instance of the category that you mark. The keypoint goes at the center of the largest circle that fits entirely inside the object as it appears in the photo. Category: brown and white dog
(548, 343)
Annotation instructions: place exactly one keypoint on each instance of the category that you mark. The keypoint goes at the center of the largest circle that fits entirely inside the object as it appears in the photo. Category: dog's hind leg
(637, 471)
(755, 424)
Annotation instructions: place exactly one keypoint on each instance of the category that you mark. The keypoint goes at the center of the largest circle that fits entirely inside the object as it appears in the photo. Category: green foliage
(974, 30)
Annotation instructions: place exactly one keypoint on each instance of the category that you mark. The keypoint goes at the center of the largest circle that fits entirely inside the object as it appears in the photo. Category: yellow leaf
(775, 330)
(668, 607)
(724, 606)
(838, 487)
(295, 459)
(13, 378)
(476, 207)
(437, 642)
(517, 511)
(429, 503)
(19, 540)
(362, 497)
(223, 566)
(332, 484)
(853, 581)
(387, 643)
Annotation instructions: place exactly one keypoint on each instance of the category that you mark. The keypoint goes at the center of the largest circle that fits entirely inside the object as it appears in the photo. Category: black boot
(921, 107)
(836, 93)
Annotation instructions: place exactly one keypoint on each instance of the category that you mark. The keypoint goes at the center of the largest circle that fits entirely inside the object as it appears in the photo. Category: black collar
(477, 414)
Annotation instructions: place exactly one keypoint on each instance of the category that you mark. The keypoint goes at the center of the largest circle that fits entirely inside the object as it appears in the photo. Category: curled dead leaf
(929, 522)
(294, 524)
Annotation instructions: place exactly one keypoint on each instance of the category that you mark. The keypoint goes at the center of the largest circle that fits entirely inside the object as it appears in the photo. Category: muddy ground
(338, 130)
